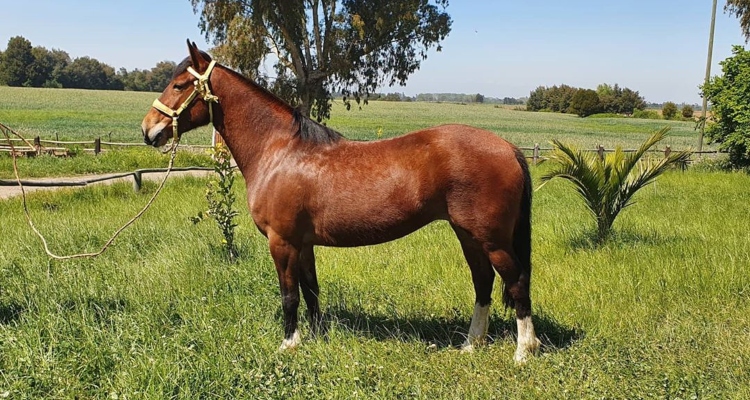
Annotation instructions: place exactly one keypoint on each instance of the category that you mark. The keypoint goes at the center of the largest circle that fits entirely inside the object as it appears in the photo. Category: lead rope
(201, 87)
(5, 130)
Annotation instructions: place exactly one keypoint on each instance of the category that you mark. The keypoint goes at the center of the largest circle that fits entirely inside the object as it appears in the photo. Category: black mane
(313, 132)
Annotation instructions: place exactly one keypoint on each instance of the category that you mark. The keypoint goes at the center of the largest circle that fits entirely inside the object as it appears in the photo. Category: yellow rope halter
(202, 88)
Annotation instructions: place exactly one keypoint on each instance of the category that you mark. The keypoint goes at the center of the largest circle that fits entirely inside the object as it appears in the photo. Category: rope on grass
(7, 132)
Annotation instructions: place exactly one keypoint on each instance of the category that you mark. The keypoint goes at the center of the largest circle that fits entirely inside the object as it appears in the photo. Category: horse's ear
(196, 58)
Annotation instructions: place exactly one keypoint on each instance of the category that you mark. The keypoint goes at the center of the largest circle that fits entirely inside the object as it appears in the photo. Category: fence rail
(536, 152)
(39, 146)
(61, 147)
(137, 178)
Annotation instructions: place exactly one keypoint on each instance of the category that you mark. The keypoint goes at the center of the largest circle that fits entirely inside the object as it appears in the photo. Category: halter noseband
(202, 88)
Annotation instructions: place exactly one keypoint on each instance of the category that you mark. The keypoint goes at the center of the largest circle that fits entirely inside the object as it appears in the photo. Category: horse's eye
(178, 87)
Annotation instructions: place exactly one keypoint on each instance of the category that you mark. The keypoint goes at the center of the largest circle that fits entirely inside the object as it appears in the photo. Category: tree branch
(316, 32)
(275, 49)
(328, 16)
(306, 43)
(294, 51)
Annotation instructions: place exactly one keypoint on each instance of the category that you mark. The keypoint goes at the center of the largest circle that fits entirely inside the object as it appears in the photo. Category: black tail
(522, 232)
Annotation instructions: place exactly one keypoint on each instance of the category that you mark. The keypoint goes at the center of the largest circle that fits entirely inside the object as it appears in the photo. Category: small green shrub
(646, 114)
(221, 198)
(712, 164)
(669, 110)
(607, 184)
(687, 111)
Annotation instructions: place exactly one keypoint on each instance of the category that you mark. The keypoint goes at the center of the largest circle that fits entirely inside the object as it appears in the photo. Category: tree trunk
(306, 98)
(604, 228)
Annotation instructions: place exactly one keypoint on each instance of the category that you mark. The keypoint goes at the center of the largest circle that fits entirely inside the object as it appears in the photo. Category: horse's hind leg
(516, 295)
(483, 278)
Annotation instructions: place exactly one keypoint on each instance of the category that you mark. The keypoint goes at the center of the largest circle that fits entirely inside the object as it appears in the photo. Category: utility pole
(708, 76)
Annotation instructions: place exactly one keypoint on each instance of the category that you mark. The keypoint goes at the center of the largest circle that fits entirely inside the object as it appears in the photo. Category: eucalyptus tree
(318, 47)
(741, 10)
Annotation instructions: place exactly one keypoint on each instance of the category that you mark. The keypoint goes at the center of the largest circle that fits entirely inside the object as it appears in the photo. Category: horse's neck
(250, 122)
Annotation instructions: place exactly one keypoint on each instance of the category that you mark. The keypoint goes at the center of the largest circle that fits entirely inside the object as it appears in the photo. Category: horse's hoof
(523, 353)
(291, 343)
(521, 357)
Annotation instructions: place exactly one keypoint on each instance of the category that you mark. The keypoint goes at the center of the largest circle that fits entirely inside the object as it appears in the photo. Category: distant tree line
(584, 102)
(24, 65)
(445, 98)
(466, 98)
(391, 97)
(695, 107)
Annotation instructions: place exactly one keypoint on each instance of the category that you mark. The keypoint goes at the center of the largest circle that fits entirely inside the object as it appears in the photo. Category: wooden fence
(137, 178)
(62, 148)
(536, 151)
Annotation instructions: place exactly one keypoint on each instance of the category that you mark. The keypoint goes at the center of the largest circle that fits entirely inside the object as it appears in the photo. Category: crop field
(72, 114)
(660, 311)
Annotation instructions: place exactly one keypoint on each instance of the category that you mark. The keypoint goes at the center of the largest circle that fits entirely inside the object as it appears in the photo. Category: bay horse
(308, 186)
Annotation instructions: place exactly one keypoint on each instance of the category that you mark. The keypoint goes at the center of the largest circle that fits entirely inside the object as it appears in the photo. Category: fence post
(38, 145)
(667, 152)
(97, 146)
(137, 181)
(536, 153)
(600, 151)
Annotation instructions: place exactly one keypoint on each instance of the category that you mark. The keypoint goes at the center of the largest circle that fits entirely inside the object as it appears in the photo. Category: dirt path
(11, 191)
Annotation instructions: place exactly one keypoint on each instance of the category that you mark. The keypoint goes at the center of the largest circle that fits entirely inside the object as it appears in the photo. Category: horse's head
(184, 103)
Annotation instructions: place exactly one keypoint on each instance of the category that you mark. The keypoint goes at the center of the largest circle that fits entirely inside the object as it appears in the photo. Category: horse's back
(370, 192)
(475, 156)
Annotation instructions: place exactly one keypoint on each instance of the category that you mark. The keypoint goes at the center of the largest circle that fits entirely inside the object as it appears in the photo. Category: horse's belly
(371, 228)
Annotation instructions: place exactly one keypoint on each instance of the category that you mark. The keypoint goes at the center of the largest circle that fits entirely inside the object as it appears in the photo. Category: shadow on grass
(446, 332)
(618, 238)
(10, 312)
(102, 309)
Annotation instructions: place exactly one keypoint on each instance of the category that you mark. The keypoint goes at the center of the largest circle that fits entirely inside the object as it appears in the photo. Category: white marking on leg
(294, 341)
(527, 340)
(478, 327)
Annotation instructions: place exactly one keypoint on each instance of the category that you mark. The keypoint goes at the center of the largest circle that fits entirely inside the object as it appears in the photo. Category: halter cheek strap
(201, 87)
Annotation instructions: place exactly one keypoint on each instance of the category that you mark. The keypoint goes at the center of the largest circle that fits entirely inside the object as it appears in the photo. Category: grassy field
(72, 114)
(661, 311)
(519, 127)
(77, 114)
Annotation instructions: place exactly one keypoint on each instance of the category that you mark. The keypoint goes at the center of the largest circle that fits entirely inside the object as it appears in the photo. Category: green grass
(661, 311)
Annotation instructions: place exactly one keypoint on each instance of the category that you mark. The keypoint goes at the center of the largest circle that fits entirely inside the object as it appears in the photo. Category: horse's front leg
(286, 258)
(310, 288)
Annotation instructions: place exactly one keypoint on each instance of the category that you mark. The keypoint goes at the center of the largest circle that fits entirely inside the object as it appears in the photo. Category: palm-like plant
(607, 184)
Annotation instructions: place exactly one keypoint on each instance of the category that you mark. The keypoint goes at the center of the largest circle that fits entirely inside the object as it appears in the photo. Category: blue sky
(497, 48)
